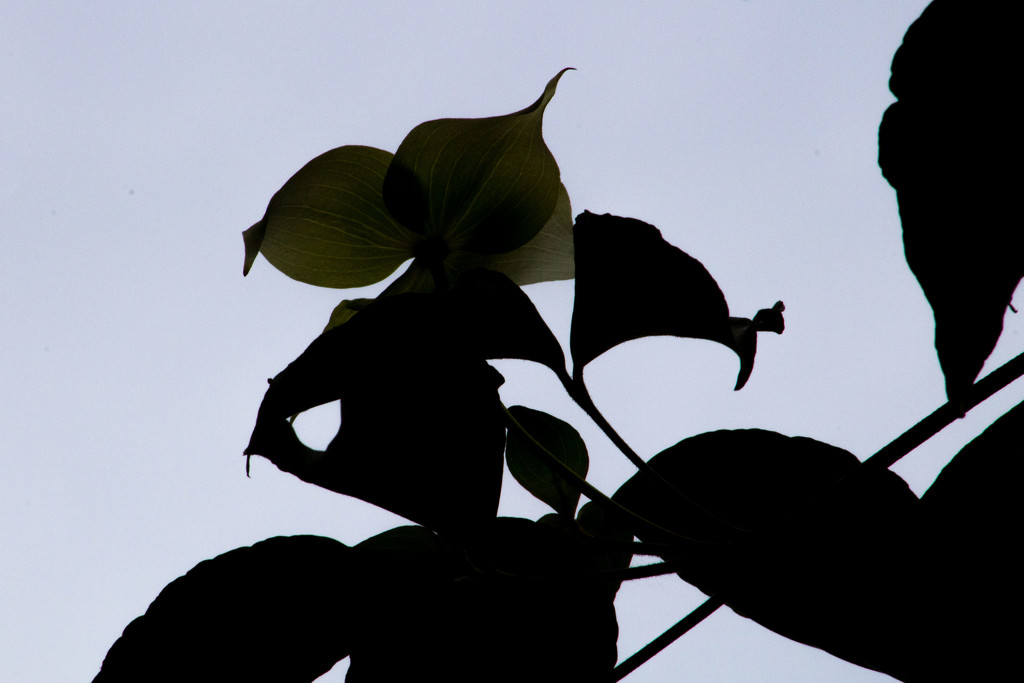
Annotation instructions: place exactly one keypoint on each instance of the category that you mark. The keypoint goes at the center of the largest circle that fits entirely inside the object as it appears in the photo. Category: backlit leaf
(484, 185)
(546, 257)
(328, 226)
(532, 471)
(344, 311)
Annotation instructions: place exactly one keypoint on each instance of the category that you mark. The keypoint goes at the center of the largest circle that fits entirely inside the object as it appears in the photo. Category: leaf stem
(585, 487)
(641, 656)
(577, 391)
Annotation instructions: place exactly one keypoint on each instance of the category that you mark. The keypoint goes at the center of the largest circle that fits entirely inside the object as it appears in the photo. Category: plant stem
(577, 391)
(944, 415)
(641, 656)
(585, 487)
(644, 571)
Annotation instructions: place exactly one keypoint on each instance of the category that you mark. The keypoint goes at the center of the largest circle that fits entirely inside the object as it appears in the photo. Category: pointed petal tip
(545, 97)
(253, 240)
(554, 80)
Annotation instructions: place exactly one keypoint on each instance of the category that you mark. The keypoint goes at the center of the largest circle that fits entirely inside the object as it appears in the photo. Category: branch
(631, 664)
(943, 416)
(644, 571)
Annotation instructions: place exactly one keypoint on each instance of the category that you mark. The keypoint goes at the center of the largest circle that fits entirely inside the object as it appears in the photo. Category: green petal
(547, 257)
(486, 185)
(327, 225)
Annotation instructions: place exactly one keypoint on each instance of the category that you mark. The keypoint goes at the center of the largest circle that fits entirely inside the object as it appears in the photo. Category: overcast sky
(137, 141)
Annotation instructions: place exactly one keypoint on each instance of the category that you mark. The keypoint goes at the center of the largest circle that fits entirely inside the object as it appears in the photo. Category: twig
(943, 416)
(641, 656)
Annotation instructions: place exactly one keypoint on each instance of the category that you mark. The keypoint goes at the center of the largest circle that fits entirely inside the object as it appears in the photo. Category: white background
(137, 141)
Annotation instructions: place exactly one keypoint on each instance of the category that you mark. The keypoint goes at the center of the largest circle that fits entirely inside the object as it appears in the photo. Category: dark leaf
(981, 483)
(744, 336)
(422, 430)
(500, 321)
(815, 562)
(277, 611)
(597, 522)
(944, 146)
(484, 185)
(531, 469)
(970, 523)
(631, 283)
(519, 604)
(488, 313)
(405, 543)
(327, 225)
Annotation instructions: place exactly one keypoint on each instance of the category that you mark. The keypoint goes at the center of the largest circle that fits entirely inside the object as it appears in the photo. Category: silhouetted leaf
(596, 521)
(744, 334)
(631, 283)
(411, 543)
(521, 603)
(488, 313)
(567, 617)
(982, 481)
(277, 611)
(814, 562)
(969, 555)
(328, 226)
(422, 431)
(944, 146)
(532, 471)
(752, 479)
(500, 321)
(483, 185)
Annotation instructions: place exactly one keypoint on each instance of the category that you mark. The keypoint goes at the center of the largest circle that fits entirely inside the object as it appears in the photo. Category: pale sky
(139, 139)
